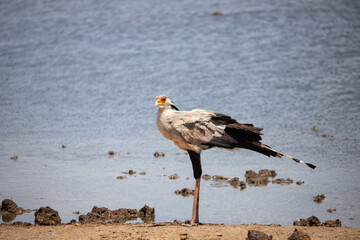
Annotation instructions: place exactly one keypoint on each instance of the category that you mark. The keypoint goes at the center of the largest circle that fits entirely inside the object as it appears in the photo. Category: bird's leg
(195, 214)
(196, 163)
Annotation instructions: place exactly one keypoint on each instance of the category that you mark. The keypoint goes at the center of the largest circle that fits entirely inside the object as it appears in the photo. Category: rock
(257, 235)
(121, 177)
(174, 176)
(315, 128)
(300, 183)
(146, 211)
(267, 173)
(299, 235)
(159, 154)
(142, 173)
(185, 192)
(47, 216)
(15, 157)
(319, 198)
(130, 172)
(283, 181)
(63, 146)
(242, 185)
(10, 206)
(217, 13)
(206, 177)
(111, 153)
(235, 182)
(332, 223)
(327, 136)
(260, 178)
(331, 210)
(309, 222)
(258, 181)
(219, 178)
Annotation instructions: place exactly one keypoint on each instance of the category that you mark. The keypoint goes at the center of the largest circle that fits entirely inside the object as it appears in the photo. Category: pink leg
(195, 214)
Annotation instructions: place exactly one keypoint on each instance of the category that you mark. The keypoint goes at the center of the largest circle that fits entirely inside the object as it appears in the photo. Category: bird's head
(162, 101)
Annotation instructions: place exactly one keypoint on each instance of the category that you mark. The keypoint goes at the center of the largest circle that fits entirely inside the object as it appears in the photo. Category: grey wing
(197, 128)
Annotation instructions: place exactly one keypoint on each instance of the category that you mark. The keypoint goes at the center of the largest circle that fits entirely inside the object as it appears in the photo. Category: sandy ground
(166, 231)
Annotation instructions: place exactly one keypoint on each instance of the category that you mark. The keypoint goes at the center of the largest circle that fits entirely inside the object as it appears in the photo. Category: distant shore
(167, 231)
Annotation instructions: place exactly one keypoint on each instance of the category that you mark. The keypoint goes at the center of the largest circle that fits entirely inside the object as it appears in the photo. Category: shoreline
(167, 230)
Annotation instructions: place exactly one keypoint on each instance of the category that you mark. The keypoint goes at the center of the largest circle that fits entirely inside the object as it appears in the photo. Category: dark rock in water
(319, 198)
(9, 206)
(219, 178)
(332, 223)
(121, 177)
(15, 157)
(47, 216)
(206, 177)
(300, 183)
(327, 136)
(259, 179)
(142, 173)
(299, 235)
(146, 211)
(257, 235)
(267, 173)
(315, 128)
(331, 210)
(63, 146)
(111, 153)
(174, 176)
(235, 182)
(217, 13)
(283, 181)
(122, 215)
(185, 192)
(130, 172)
(159, 154)
(309, 222)
(242, 185)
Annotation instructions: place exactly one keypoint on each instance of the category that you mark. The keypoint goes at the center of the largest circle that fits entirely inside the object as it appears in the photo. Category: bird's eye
(163, 99)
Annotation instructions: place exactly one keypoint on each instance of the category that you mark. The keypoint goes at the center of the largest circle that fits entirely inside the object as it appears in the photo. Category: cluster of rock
(315, 222)
(103, 214)
(185, 192)
(319, 198)
(296, 235)
(43, 216)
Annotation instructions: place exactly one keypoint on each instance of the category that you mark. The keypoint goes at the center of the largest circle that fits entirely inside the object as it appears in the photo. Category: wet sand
(166, 231)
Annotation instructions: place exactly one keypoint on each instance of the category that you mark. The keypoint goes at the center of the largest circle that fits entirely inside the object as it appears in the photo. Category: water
(85, 74)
